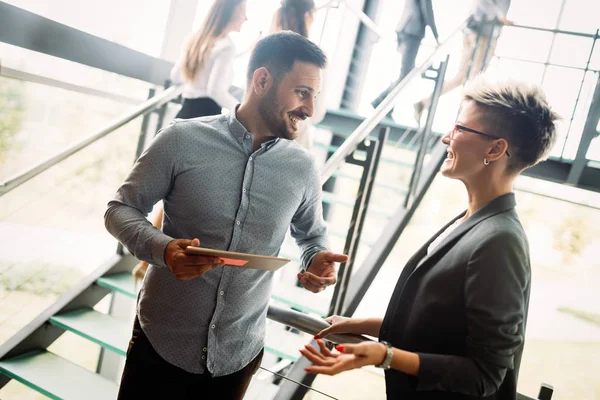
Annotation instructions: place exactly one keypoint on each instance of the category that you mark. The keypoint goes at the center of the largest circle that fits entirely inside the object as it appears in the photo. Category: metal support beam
(427, 133)
(359, 213)
(364, 277)
(365, 39)
(39, 334)
(589, 133)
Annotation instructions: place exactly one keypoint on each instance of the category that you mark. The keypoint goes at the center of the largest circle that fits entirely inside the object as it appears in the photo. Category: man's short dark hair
(279, 51)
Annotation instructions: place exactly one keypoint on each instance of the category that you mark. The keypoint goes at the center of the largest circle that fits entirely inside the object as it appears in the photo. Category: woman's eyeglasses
(458, 127)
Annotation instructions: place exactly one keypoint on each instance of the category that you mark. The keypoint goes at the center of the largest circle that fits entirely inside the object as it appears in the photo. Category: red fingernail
(317, 336)
(339, 348)
(306, 370)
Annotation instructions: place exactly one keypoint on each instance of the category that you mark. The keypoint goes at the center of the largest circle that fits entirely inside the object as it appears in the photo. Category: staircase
(406, 160)
(25, 357)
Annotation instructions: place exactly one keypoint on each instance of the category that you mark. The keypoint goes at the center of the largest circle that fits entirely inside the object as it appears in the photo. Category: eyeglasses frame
(466, 129)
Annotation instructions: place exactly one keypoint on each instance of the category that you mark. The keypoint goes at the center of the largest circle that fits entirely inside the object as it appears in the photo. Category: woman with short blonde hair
(455, 324)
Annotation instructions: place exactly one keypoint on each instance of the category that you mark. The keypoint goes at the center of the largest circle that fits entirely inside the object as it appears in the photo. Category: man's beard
(267, 109)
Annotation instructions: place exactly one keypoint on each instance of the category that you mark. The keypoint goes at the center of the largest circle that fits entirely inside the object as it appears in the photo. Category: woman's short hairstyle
(279, 51)
(519, 113)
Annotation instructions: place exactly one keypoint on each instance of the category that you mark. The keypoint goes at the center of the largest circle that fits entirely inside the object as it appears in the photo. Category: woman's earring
(486, 162)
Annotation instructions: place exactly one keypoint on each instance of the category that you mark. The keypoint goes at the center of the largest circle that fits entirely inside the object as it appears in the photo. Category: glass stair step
(105, 330)
(91, 328)
(121, 283)
(57, 378)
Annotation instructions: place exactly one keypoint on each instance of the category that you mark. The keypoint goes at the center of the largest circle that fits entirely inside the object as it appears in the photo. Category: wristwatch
(389, 353)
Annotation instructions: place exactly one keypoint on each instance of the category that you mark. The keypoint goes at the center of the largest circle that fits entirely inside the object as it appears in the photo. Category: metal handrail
(42, 80)
(147, 106)
(309, 324)
(365, 128)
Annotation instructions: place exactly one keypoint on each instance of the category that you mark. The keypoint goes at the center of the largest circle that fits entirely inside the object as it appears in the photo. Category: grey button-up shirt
(217, 189)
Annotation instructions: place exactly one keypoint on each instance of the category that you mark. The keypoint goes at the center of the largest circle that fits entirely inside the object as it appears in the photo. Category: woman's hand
(339, 325)
(350, 356)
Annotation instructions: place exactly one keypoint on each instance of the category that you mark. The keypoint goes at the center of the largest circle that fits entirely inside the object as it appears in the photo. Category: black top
(463, 309)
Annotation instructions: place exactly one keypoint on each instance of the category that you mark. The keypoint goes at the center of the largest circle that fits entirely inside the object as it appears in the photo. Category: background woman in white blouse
(298, 16)
(206, 65)
(206, 70)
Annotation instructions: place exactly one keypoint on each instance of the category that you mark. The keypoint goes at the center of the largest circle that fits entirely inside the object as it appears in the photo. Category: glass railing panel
(523, 44)
(282, 350)
(52, 229)
(563, 50)
(74, 73)
(38, 121)
(595, 61)
(358, 384)
(522, 12)
(578, 15)
(266, 383)
(563, 97)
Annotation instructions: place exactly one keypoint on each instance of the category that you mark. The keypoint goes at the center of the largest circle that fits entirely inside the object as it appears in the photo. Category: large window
(137, 24)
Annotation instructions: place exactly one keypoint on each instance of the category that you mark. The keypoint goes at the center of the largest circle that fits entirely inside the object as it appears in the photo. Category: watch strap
(389, 353)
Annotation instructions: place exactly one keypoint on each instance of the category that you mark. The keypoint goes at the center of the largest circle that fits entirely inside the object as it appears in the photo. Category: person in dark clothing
(417, 15)
(455, 324)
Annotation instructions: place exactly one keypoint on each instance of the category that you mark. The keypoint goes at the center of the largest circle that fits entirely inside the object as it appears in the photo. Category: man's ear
(262, 80)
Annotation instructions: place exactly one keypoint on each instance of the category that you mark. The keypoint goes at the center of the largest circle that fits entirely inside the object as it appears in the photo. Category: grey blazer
(463, 309)
(417, 15)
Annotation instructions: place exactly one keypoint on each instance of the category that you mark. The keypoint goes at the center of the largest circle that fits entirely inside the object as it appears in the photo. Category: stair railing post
(373, 149)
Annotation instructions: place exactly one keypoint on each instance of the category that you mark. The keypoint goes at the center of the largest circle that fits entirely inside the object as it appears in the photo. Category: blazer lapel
(496, 206)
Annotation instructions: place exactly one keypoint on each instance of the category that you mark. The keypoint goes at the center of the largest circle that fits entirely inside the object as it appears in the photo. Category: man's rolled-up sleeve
(308, 227)
(149, 181)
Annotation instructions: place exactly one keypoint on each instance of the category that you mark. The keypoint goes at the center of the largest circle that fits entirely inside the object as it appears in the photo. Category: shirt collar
(238, 130)
(235, 127)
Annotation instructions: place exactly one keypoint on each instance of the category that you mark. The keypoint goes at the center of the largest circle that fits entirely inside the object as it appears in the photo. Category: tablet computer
(243, 260)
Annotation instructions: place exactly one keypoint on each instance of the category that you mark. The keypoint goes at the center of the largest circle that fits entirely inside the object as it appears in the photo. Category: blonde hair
(199, 46)
(518, 112)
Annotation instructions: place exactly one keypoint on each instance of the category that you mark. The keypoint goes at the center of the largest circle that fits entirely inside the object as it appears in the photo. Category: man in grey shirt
(230, 182)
